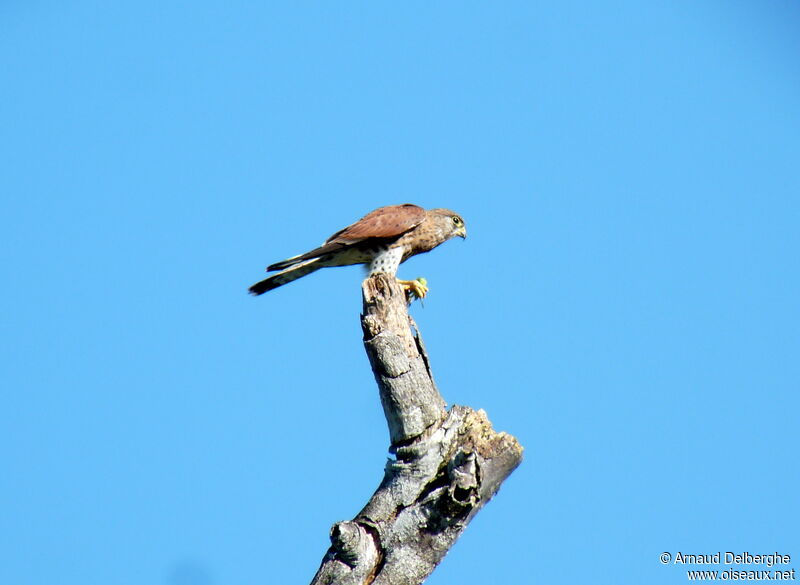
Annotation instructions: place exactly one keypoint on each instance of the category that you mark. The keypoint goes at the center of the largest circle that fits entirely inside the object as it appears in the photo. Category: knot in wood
(464, 480)
(371, 326)
(348, 542)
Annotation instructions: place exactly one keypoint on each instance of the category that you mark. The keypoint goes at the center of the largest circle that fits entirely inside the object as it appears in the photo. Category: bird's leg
(417, 288)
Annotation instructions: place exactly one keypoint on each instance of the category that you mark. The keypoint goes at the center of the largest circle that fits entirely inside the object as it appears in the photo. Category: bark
(447, 464)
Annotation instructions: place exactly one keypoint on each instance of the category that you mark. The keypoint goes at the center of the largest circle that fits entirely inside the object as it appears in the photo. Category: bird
(381, 240)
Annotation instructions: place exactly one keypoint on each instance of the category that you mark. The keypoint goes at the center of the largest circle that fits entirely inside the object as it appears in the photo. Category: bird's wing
(384, 223)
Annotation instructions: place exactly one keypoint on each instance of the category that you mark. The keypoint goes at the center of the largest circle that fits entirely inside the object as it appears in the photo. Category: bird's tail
(286, 275)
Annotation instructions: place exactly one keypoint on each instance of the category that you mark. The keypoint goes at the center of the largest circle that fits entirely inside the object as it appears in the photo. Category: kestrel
(382, 239)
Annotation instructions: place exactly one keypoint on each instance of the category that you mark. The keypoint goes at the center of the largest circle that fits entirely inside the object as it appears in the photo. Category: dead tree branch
(447, 464)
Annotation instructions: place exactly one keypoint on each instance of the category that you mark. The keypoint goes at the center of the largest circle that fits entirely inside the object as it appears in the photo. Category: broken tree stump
(448, 463)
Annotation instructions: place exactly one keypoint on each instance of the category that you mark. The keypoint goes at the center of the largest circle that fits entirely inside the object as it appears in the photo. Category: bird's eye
(457, 220)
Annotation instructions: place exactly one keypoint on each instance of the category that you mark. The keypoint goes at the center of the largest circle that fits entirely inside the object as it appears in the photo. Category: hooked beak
(462, 232)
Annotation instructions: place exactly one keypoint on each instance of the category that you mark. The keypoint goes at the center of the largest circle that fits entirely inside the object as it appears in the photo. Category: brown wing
(384, 223)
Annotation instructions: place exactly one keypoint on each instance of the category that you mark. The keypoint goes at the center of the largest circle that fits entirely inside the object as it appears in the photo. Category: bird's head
(448, 223)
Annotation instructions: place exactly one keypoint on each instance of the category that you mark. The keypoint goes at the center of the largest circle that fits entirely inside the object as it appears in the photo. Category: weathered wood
(447, 464)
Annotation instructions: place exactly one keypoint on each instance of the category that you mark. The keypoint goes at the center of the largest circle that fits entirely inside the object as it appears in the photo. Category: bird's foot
(416, 289)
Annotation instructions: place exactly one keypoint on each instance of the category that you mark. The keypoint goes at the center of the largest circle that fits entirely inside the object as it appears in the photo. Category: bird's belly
(387, 260)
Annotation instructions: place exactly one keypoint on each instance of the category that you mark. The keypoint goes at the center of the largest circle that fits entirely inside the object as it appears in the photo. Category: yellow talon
(416, 288)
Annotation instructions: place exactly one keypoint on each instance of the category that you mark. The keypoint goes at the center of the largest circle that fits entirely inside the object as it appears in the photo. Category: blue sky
(626, 303)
